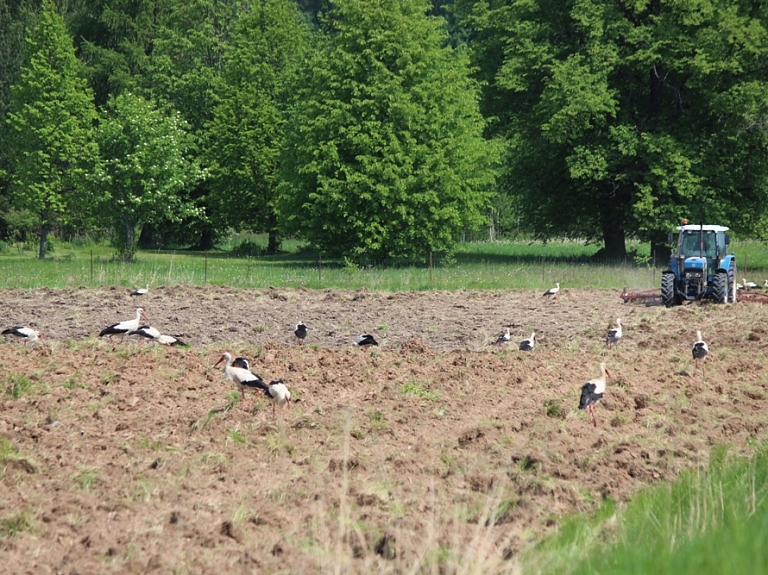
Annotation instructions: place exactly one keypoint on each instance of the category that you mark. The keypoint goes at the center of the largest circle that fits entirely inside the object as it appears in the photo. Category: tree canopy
(50, 117)
(624, 117)
(386, 155)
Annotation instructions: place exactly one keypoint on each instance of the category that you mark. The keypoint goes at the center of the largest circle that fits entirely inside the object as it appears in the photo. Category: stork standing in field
(366, 341)
(504, 337)
(613, 336)
(124, 327)
(527, 344)
(25, 333)
(749, 285)
(278, 395)
(141, 291)
(765, 283)
(300, 331)
(699, 351)
(553, 291)
(592, 392)
(242, 377)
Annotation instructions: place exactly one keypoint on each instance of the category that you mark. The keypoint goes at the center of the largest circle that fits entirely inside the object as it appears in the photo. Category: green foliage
(385, 149)
(419, 390)
(50, 118)
(143, 168)
(13, 524)
(623, 118)
(246, 136)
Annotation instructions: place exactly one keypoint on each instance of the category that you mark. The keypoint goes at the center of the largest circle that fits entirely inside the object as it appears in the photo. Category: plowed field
(436, 452)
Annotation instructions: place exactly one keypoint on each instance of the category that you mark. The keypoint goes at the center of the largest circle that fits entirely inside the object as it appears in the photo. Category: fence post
(320, 267)
(91, 266)
(430, 267)
(205, 279)
(654, 267)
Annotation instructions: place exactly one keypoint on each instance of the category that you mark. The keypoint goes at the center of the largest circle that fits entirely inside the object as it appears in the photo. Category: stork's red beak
(608, 373)
(218, 362)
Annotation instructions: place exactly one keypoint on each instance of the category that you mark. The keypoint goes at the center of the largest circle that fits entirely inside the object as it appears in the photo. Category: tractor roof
(692, 228)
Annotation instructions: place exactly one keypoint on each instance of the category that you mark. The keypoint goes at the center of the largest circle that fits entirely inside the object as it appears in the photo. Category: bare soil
(435, 451)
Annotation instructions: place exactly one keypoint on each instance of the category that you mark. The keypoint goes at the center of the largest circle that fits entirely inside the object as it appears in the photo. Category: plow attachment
(650, 295)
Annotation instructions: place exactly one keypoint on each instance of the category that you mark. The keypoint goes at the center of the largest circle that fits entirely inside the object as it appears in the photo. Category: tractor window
(690, 244)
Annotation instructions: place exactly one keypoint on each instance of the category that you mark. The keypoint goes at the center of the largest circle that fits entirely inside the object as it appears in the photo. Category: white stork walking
(141, 291)
(613, 335)
(527, 344)
(504, 337)
(25, 333)
(700, 350)
(242, 377)
(765, 283)
(300, 331)
(124, 327)
(553, 291)
(366, 341)
(592, 392)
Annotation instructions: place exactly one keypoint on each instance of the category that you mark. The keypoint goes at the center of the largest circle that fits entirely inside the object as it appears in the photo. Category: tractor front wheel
(720, 287)
(668, 289)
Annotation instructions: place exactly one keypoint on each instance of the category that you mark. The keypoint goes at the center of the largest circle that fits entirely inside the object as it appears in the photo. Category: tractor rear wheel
(732, 295)
(668, 289)
(720, 287)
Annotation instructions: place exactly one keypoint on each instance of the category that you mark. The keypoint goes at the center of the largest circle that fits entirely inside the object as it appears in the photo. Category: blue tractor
(701, 267)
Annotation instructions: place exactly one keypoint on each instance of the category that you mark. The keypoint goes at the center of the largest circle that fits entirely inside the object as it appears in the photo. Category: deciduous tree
(386, 155)
(623, 117)
(51, 115)
(246, 136)
(143, 168)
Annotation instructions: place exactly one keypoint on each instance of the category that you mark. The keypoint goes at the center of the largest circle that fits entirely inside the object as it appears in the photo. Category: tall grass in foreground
(714, 520)
(497, 265)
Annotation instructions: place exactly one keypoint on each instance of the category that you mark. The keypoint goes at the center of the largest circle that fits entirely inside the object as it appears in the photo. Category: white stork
(300, 331)
(164, 339)
(592, 392)
(241, 362)
(141, 291)
(146, 332)
(124, 327)
(749, 285)
(278, 395)
(614, 334)
(28, 334)
(243, 378)
(553, 291)
(504, 337)
(366, 341)
(765, 283)
(527, 344)
(699, 350)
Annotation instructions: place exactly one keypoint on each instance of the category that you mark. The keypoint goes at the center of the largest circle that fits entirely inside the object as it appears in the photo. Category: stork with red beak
(242, 377)
(25, 333)
(592, 392)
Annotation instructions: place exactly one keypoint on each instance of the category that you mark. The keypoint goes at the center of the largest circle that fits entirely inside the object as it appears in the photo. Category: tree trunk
(615, 244)
(205, 241)
(43, 241)
(274, 241)
(661, 249)
(128, 248)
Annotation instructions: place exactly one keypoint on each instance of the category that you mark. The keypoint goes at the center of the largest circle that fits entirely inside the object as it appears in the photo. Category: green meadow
(713, 520)
(478, 265)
